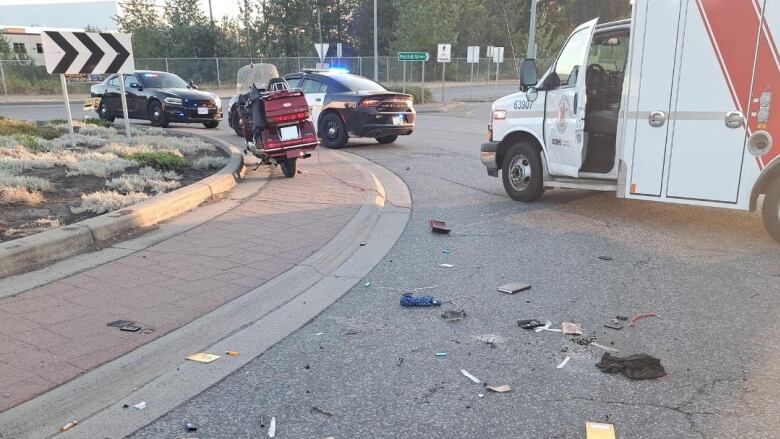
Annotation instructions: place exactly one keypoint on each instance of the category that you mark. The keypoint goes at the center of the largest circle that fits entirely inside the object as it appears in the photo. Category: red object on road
(632, 320)
(438, 227)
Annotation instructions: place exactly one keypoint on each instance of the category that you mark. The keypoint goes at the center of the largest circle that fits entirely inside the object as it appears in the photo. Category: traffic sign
(87, 53)
(498, 55)
(445, 53)
(413, 56)
(472, 56)
(322, 50)
(339, 51)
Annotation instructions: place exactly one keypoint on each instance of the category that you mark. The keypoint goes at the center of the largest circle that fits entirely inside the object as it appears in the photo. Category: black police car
(345, 105)
(159, 97)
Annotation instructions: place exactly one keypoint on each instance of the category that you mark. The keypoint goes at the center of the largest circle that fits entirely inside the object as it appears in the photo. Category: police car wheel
(333, 132)
(103, 112)
(384, 140)
(771, 211)
(522, 173)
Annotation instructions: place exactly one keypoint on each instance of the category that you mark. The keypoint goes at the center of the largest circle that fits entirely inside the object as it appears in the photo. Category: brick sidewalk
(50, 335)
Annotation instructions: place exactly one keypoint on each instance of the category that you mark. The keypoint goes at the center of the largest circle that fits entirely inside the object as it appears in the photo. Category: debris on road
(141, 405)
(400, 361)
(491, 340)
(272, 427)
(322, 411)
(623, 318)
(595, 430)
(635, 367)
(453, 315)
(439, 227)
(514, 287)
(446, 252)
(499, 389)
(120, 323)
(606, 258)
(232, 353)
(68, 426)
(583, 341)
(362, 244)
(529, 324)
(441, 354)
(133, 327)
(546, 327)
(446, 266)
(632, 321)
(563, 363)
(614, 324)
(569, 328)
(202, 357)
(606, 348)
(190, 426)
(470, 376)
(410, 299)
(367, 284)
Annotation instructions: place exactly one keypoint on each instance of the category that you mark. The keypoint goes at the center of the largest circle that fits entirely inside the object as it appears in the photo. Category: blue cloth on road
(412, 300)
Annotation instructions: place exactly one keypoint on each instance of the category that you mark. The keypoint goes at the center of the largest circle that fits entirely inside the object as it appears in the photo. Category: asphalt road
(712, 276)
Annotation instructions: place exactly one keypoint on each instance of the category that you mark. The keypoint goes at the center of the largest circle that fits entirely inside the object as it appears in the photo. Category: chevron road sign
(82, 52)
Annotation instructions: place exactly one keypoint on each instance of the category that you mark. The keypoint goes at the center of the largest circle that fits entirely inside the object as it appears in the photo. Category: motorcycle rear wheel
(288, 167)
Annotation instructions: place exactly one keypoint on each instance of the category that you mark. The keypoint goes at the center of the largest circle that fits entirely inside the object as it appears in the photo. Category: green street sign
(413, 56)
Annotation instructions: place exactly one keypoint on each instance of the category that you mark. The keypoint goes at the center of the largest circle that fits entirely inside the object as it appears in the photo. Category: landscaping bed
(46, 183)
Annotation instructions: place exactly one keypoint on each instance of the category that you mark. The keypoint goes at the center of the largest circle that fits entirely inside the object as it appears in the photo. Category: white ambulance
(674, 105)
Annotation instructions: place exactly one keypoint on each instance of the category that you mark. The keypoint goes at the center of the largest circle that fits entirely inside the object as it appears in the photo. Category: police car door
(315, 96)
(564, 121)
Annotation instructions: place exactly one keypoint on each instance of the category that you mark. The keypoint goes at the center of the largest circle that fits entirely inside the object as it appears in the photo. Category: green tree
(5, 48)
(140, 18)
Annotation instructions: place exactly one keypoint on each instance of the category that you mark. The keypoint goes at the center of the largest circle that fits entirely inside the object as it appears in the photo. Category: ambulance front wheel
(771, 211)
(521, 172)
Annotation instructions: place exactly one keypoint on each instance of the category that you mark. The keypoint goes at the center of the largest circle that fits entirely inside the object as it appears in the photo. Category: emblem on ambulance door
(563, 114)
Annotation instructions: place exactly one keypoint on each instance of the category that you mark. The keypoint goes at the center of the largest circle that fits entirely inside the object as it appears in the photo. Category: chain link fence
(25, 78)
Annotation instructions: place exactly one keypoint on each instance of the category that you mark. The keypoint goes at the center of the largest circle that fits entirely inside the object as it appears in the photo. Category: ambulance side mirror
(528, 77)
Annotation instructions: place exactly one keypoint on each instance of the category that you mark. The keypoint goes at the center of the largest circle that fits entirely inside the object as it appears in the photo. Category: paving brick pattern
(52, 334)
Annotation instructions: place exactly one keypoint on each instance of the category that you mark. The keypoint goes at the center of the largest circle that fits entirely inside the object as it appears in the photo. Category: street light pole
(376, 46)
(532, 32)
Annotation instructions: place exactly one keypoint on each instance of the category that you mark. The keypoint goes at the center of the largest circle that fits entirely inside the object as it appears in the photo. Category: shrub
(31, 142)
(11, 127)
(27, 182)
(82, 122)
(98, 164)
(147, 179)
(107, 201)
(210, 162)
(19, 195)
(161, 160)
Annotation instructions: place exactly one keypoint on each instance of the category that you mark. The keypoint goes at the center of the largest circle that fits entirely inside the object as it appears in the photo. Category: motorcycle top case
(284, 103)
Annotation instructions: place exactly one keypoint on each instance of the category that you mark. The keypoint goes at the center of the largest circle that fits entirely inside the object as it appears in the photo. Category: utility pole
(532, 32)
(376, 45)
(319, 20)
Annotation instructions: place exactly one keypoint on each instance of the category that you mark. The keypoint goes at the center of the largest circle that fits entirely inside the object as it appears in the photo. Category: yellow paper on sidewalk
(202, 357)
(595, 430)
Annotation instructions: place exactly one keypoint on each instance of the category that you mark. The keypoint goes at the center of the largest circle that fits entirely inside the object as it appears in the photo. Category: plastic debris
(132, 327)
(441, 354)
(606, 348)
(499, 389)
(470, 376)
(119, 323)
(232, 353)
(563, 363)
(529, 324)
(410, 299)
(439, 227)
(546, 327)
(453, 315)
(400, 361)
(606, 258)
(595, 430)
(623, 318)
(320, 333)
(491, 340)
(446, 252)
(322, 411)
(202, 357)
(272, 427)
(68, 426)
(632, 320)
(480, 395)
(514, 287)
(190, 426)
(362, 244)
(367, 284)
(569, 328)
(635, 367)
(446, 266)
(614, 324)
(141, 405)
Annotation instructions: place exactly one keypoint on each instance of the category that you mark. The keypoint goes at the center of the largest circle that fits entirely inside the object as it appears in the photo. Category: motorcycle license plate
(289, 133)
(203, 110)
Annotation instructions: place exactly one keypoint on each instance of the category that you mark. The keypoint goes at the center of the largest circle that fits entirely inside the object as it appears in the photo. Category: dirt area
(44, 185)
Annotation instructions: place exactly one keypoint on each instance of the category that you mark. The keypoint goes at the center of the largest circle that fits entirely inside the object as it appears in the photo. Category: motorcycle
(276, 125)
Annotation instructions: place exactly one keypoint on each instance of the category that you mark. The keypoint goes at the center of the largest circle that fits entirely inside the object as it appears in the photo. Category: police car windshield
(162, 80)
(357, 83)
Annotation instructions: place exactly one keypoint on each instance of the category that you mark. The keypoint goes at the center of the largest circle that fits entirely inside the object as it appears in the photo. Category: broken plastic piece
(120, 323)
(202, 357)
(132, 327)
(614, 324)
(569, 328)
(606, 348)
(446, 252)
(141, 405)
(272, 427)
(453, 315)
(446, 266)
(529, 324)
(500, 389)
(441, 354)
(362, 244)
(595, 430)
(605, 258)
(367, 284)
(68, 426)
(563, 363)
(232, 353)
(190, 426)
(514, 287)
(632, 321)
(470, 376)
(439, 227)
(410, 299)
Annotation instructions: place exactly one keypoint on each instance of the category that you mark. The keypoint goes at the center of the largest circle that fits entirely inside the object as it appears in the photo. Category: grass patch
(20, 195)
(210, 162)
(107, 201)
(162, 160)
(10, 127)
(90, 121)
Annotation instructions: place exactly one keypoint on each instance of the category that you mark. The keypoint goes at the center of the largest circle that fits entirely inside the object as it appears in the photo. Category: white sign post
(70, 53)
(489, 55)
(472, 57)
(498, 58)
(339, 54)
(444, 56)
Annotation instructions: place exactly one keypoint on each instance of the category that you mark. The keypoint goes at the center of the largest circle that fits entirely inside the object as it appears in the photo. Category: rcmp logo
(563, 114)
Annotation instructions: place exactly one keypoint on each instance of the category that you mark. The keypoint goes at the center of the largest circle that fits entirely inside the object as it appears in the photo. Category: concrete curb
(20, 255)
(157, 372)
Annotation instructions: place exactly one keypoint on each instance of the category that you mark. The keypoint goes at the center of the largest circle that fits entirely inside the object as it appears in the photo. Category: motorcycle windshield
(257, 74)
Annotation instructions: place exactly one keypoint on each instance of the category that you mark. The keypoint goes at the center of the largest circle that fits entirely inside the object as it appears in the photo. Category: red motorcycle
(276, 126)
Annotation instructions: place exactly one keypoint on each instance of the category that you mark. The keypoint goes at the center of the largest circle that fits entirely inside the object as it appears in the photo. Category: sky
(220, 8)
